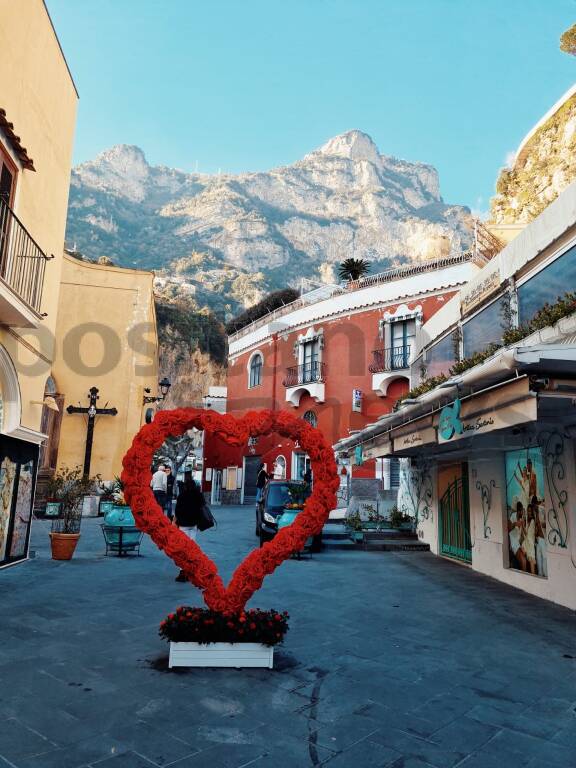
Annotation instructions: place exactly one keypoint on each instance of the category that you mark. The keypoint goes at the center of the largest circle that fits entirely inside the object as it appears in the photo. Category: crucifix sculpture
(92, 411)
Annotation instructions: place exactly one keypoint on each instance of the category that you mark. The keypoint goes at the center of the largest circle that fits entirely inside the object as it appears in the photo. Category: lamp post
(164, 387)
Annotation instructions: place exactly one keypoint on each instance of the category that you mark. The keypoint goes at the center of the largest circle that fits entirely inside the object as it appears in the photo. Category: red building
(338, 358)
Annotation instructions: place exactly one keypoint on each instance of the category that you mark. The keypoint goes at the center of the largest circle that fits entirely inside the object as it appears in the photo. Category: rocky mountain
(236, 236)
(543, 166)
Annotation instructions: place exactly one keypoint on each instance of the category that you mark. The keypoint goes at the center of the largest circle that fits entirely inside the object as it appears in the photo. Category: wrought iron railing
(390, 359)
(22, 261)
(307, 373)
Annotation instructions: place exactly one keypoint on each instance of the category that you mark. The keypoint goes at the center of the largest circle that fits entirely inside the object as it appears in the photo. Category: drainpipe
(274, 369)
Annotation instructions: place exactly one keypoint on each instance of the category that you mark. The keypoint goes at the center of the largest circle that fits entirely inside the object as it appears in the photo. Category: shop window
(255, 370)
(440, 357)
(546, 286)
(485, 327)
(311, 418)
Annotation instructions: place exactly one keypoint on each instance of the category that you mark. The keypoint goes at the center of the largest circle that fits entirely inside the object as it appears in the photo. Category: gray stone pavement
(392, 659)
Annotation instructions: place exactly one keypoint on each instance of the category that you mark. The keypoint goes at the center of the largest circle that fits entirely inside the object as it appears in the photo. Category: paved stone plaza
(392, 659)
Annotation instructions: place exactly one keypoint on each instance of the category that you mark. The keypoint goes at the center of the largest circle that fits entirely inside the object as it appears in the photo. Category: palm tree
(353, 269)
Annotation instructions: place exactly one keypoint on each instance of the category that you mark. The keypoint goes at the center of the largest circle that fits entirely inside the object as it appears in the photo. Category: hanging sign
(357, 400)
(450, 423)
(358, 457)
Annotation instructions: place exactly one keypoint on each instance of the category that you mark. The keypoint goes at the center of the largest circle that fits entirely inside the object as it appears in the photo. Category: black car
(276, 495)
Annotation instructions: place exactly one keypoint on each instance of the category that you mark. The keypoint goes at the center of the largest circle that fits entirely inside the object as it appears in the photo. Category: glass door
(310, 361)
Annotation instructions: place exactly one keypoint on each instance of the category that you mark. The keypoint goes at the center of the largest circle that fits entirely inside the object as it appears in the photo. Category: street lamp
(164, 387)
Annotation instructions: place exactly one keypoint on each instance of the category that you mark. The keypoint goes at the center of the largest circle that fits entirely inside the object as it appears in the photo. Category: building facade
(37, 120)
(106, 338)
(489, 446)
(338, 358)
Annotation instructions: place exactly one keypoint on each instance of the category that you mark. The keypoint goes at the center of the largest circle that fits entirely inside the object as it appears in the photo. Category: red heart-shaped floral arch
(186, 554)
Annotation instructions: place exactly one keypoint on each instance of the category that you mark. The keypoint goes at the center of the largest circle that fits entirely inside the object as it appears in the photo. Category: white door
(216, 497)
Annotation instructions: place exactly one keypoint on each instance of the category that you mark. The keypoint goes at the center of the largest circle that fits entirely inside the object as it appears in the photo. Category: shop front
(18, 464)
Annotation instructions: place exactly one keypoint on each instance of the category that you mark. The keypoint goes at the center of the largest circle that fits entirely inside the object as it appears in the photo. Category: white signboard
(357, 400)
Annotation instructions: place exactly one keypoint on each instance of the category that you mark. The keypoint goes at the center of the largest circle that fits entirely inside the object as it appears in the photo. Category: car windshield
(279, 494)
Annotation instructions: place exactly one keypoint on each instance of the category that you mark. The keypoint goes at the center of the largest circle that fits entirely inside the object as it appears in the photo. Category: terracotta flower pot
(63, 545)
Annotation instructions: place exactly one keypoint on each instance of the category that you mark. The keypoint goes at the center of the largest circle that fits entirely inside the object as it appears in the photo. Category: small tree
(353, 269)
(568, 41)
(69, 486)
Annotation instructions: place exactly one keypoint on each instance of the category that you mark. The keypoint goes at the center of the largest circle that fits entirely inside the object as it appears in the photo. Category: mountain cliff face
(235, 236)
(544, 165)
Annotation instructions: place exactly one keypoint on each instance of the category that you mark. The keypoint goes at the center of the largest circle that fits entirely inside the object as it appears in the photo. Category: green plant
(353, 269)
(354, 521)
(475, 359)
(424, 386)
(268, 304)
(118, 492)
(298, 493)
(69, 487)
(397, 518)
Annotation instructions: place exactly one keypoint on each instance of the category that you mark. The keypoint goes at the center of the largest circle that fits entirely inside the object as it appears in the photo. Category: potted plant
(400, 520)
(200, 637)
(119, 513)
(70, 485)
(355, 524)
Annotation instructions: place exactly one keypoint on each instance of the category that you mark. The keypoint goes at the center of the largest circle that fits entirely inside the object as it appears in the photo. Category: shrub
(268, 304)
(201, 625)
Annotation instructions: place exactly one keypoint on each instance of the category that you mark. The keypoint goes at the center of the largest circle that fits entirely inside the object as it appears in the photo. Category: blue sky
(245, 85)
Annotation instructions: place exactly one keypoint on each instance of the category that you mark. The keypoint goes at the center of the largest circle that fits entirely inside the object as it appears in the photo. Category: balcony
(389, 365)
(307, 378)
(22, 267)
(391, 359)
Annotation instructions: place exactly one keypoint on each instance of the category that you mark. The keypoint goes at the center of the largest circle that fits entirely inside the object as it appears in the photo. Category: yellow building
(38, 102)
(106, 338)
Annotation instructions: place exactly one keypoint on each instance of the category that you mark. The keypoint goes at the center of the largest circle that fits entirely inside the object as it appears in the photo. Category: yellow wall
(40, 99)
(122, 302)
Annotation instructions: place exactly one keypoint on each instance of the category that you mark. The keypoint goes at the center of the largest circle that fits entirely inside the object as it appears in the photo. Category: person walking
(188, 511)
(261, 481)
(159, 485)
(170, 487)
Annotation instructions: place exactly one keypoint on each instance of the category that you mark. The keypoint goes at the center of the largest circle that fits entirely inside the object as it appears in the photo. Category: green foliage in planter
(354, 521)
(424, 386)
(397, 518)
(546, 316)
(475, 359)
(201, 625)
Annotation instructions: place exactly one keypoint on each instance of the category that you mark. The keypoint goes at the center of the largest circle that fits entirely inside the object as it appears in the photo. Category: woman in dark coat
(188, 510)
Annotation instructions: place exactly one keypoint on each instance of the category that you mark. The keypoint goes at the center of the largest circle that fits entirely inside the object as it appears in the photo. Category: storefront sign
(357, 400)
(473, 295)
(503, 407)
(450, 423)
(423, 436)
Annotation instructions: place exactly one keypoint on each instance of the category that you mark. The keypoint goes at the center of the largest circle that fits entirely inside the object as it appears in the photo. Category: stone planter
(236, 655)
(63, 545)
(90, 506)
(52, 509)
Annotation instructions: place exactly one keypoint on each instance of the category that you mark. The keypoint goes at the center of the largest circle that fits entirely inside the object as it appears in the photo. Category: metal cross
(92, 411)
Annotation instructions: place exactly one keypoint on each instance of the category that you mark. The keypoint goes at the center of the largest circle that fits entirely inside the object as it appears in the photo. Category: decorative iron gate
(454, 522)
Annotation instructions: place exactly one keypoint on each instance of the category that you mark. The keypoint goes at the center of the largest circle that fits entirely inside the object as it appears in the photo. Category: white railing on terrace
(397, 273)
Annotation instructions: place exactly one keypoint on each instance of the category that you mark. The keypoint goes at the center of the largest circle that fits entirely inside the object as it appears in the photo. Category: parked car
(271, 506)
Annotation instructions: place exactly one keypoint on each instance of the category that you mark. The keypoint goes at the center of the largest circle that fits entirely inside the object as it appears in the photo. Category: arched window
(311, 418)
(255, 378)
(279, 470)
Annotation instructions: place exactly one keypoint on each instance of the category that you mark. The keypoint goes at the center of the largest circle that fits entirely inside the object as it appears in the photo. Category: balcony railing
(391, 359)
(22, 261)
(308, 373)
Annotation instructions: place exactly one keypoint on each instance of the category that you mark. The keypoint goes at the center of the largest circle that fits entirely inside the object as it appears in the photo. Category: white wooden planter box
(221, 655)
